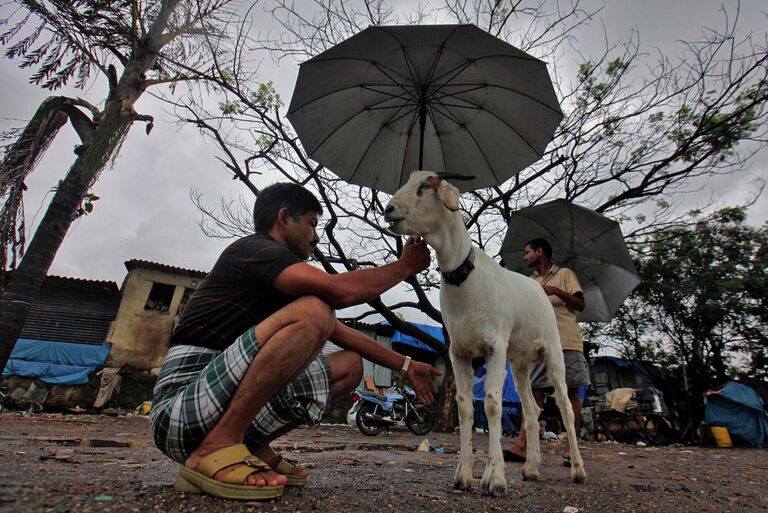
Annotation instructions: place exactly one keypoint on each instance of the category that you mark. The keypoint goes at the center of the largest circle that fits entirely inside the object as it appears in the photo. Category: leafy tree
(639, 130)
(701, 304)
(63, 41)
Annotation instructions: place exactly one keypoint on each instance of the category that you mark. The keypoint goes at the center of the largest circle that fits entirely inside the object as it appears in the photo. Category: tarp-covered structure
(435, 331)
(56, 363)
(740, 409)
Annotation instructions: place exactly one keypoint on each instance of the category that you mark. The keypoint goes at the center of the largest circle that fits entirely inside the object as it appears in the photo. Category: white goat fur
(498, 314)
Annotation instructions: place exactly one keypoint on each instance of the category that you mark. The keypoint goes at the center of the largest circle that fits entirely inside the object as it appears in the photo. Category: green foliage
(64, 38)
(702, 300)
(87, 205)
(717, 131)
(230, 108)
(266, 97)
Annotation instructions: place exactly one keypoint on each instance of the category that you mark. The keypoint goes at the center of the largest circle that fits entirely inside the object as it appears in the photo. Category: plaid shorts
(196, 384)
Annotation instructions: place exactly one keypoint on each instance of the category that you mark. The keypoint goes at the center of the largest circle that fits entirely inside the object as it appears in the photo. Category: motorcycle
(374, 412)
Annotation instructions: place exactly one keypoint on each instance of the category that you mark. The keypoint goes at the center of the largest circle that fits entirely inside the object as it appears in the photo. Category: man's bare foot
(269, 478)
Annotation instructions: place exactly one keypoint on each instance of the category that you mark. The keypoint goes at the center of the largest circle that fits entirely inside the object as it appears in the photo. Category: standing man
(245, 364)
(565, 294)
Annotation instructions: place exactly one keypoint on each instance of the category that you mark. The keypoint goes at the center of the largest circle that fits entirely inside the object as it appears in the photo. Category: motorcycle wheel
(366, 425)
(420, 420)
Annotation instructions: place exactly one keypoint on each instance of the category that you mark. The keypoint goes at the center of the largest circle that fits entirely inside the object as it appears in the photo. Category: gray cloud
(145, 212)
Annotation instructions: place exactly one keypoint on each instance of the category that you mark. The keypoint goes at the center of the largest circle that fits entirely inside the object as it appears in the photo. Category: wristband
(406, 364)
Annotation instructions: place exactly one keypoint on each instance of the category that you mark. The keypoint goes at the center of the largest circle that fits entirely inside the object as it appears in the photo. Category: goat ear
(449, 195)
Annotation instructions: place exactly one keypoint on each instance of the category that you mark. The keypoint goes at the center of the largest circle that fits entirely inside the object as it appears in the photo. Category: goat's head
(421, 204)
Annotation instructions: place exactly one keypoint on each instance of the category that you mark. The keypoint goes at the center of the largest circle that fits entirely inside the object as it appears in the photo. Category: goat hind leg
(494, 481)
(462, 369)
(556, 375)
(520, 371)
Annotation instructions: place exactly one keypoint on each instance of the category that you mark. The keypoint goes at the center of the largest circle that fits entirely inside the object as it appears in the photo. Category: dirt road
(83, 463)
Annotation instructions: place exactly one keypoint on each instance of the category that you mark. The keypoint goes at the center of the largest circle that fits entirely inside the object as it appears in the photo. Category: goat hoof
(578, 475)
(493, 490)
(530, 476)
(462, 485)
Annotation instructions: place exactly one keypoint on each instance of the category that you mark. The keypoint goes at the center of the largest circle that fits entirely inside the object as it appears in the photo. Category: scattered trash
(570, 509)
(103, 498)
(408, 470)
(438, 450)
(641, 444)
(549, 435)
(348, 461)
(423, 446)
(144, 408)
(64, 457)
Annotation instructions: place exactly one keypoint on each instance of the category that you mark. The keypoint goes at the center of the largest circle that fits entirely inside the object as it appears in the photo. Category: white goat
(498, 314)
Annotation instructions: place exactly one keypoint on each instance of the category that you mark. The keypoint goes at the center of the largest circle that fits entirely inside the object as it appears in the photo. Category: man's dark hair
(270, 200)
(543, 245)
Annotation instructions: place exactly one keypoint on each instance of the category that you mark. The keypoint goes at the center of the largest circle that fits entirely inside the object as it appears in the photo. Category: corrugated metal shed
(382, 334)
(72, 310)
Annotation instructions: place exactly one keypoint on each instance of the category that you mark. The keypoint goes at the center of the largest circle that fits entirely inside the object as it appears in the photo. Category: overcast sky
(145, 211)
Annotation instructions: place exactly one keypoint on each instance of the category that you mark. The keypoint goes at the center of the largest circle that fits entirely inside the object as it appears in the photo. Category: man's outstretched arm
(354, 287)
(419, 374)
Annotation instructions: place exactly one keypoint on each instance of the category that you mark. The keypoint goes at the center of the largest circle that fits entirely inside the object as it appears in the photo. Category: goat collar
(461, 273)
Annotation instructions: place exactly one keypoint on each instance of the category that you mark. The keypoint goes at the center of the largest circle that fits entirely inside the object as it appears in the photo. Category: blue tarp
(740, 409)
(57, 363)
(435, 331)
(508, 392)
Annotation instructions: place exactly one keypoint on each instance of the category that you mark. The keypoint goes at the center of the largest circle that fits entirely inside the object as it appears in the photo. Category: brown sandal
(280, 465)
(200, 479)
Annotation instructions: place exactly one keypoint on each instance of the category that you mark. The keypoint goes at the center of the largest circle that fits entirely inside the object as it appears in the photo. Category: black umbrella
(587, 242)
(447, 98)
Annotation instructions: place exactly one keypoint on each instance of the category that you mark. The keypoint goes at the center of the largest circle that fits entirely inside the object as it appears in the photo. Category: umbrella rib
(371, 142)
(471, 136)
(456, 70)
(504, 122)
(340, 125)
(385, 72)
(509, 89)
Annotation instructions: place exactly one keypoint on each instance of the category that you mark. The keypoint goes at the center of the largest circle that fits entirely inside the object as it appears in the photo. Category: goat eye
(424, 186)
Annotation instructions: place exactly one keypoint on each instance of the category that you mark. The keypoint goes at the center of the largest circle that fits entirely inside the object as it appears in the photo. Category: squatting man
(245, 363)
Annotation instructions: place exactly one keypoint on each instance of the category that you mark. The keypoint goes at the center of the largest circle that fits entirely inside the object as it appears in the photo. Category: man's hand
(420, 377)
(572, 301)
(415, 255)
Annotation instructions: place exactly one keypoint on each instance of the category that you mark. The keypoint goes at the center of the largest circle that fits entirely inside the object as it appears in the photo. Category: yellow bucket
(722, 438)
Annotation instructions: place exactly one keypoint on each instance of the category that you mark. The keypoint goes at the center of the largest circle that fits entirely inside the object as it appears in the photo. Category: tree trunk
(699, 382)
(447, 411)
(27, 279)
(114, 125)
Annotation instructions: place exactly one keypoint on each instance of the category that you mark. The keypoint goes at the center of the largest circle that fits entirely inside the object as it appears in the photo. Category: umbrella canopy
(588, 243)
(446, 98)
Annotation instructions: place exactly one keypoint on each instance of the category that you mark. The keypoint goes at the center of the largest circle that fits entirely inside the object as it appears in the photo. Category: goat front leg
(494, 480)
(462, 370)
(531, 411)
(556, 375)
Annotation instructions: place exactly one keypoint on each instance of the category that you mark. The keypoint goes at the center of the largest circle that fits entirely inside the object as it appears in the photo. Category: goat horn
(444, 175)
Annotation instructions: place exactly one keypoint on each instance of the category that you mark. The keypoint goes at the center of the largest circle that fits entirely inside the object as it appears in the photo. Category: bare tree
(639, 129)
(69, 40)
